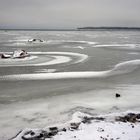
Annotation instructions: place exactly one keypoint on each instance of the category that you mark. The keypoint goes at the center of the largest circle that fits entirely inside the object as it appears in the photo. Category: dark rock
(32, 133)
(53, 129)
(64, 129)
(103, 138)
(33, 136)
(138, 116)
(74, 126)
(50, 134)
(130, 117)
(87, 119)
(99, 118)
(132, 125)
(117, 95)
(100, 129)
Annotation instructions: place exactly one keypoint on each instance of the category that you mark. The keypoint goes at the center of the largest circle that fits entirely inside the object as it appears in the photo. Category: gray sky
(68, 13)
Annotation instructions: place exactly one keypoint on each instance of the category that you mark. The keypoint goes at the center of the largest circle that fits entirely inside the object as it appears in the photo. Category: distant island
(108, 28)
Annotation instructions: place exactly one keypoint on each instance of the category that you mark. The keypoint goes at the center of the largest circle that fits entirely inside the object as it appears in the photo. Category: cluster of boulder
(39, 134)
(42, 134)
(16, 54)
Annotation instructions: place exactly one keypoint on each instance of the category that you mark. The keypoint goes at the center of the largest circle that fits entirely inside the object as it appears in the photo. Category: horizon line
(77, 28)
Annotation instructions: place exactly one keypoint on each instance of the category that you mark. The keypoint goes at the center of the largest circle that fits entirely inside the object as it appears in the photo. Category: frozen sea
(69, 71)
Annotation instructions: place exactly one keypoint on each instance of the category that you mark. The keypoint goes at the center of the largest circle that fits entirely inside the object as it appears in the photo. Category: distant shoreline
(78, 29)
(108, 28)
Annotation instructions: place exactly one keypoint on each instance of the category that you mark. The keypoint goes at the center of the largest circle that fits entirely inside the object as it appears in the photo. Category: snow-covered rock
(4, 56)
(20, 54)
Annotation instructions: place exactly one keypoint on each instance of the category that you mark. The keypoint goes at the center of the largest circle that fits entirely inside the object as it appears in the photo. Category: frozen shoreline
(116, 126)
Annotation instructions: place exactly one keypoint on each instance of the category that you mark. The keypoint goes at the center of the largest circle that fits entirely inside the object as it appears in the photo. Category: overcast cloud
(68, 13)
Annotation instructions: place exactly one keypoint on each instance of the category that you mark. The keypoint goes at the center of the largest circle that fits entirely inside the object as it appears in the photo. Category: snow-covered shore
(115, 126)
